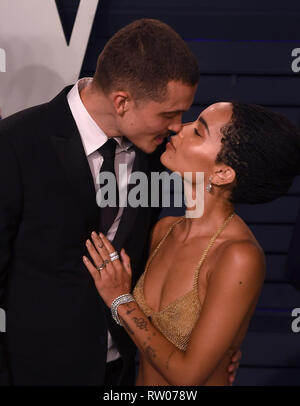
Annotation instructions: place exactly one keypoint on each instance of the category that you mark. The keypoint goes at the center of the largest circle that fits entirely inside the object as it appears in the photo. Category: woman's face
(196, 146)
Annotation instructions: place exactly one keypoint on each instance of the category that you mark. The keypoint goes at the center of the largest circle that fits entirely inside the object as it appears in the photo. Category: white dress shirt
(92, 138)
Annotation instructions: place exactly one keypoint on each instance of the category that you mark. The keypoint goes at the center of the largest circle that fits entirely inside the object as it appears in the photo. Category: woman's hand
(115, 278)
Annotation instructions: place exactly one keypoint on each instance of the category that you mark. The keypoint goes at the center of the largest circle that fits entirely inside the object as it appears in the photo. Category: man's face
(147, 123)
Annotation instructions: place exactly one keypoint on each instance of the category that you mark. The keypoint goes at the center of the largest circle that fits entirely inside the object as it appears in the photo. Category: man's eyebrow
(202, 121)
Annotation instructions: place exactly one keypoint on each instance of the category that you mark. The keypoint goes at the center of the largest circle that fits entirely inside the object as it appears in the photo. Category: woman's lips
(170, 145)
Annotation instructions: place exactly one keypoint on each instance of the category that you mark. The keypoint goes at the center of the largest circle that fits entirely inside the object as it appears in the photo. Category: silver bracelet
(117, 302)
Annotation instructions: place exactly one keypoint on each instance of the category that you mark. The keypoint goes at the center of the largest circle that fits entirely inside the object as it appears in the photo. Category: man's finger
(233, 366)
(236, 356)
(232, 378)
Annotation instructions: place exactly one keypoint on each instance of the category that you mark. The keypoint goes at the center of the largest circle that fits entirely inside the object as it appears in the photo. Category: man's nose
(176, 125)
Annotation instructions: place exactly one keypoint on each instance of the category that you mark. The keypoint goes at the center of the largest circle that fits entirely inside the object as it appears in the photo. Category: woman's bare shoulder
(242, 249)
(242, 256)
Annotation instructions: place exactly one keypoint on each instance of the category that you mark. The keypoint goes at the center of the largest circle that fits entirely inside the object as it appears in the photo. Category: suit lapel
(67, 144)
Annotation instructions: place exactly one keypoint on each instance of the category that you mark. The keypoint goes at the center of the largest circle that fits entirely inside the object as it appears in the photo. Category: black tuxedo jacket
(56, 322)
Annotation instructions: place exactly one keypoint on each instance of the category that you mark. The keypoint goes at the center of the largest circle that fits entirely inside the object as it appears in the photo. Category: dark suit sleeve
(293, 257)
(10, 213)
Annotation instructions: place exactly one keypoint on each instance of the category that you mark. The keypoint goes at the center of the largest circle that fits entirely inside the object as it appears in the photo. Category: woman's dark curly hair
(263, 148)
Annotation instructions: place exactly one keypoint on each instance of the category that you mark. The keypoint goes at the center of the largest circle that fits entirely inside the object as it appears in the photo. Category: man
(58, 330)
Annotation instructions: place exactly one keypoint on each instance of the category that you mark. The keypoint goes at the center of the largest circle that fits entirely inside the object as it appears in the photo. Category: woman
(192, 306)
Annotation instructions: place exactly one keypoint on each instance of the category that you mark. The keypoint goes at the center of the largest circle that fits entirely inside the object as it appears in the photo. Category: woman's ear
(223, 175)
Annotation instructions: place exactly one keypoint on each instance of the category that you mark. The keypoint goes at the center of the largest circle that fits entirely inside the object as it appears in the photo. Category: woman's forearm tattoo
(140, 323)
(150, 352)
(127, 327)
(130, 310)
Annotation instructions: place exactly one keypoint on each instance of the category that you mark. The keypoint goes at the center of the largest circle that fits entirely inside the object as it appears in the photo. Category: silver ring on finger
(100, 267)
(114, 258)
(103, 265)
(113, 254)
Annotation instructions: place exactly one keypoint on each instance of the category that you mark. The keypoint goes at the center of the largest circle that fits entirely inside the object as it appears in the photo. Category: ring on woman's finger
(115, 257)
(100, 267)
(103, 265)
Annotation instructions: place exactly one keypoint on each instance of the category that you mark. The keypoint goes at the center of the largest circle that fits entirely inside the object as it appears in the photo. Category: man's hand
(233, 367)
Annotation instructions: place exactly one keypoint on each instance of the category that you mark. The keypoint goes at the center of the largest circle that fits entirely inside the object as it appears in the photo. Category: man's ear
(121, 100)
(223, 175)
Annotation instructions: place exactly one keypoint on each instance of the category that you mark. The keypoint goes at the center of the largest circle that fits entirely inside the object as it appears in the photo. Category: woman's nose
(185, 129)
(172, 134)
(176, 138)
(182, 131)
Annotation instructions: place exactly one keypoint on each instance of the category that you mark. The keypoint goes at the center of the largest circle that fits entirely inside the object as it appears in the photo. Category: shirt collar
(92, 136)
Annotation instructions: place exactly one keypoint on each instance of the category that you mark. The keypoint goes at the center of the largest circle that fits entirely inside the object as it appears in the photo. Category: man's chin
(148, 149)
(151, 149)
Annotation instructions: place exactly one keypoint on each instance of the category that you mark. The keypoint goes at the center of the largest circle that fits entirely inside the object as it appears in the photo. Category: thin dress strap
(162, 241)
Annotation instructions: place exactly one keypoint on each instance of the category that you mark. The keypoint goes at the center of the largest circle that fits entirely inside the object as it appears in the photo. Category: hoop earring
(209, 186)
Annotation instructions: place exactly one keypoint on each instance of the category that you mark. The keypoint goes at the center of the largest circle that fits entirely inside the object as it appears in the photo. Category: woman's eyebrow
(202, 121)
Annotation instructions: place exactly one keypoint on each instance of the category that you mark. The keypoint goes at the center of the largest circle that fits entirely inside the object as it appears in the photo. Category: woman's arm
(232, 291)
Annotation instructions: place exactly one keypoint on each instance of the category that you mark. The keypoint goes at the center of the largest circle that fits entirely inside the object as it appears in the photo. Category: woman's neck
(208, 213)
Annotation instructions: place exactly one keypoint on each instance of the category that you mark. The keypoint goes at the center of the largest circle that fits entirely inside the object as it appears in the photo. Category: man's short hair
(143, 57)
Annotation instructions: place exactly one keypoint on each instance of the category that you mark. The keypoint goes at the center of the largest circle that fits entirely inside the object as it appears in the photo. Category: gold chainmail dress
(177, 320)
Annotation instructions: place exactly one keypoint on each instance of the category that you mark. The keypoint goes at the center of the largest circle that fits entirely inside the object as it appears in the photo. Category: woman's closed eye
(197, 133)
